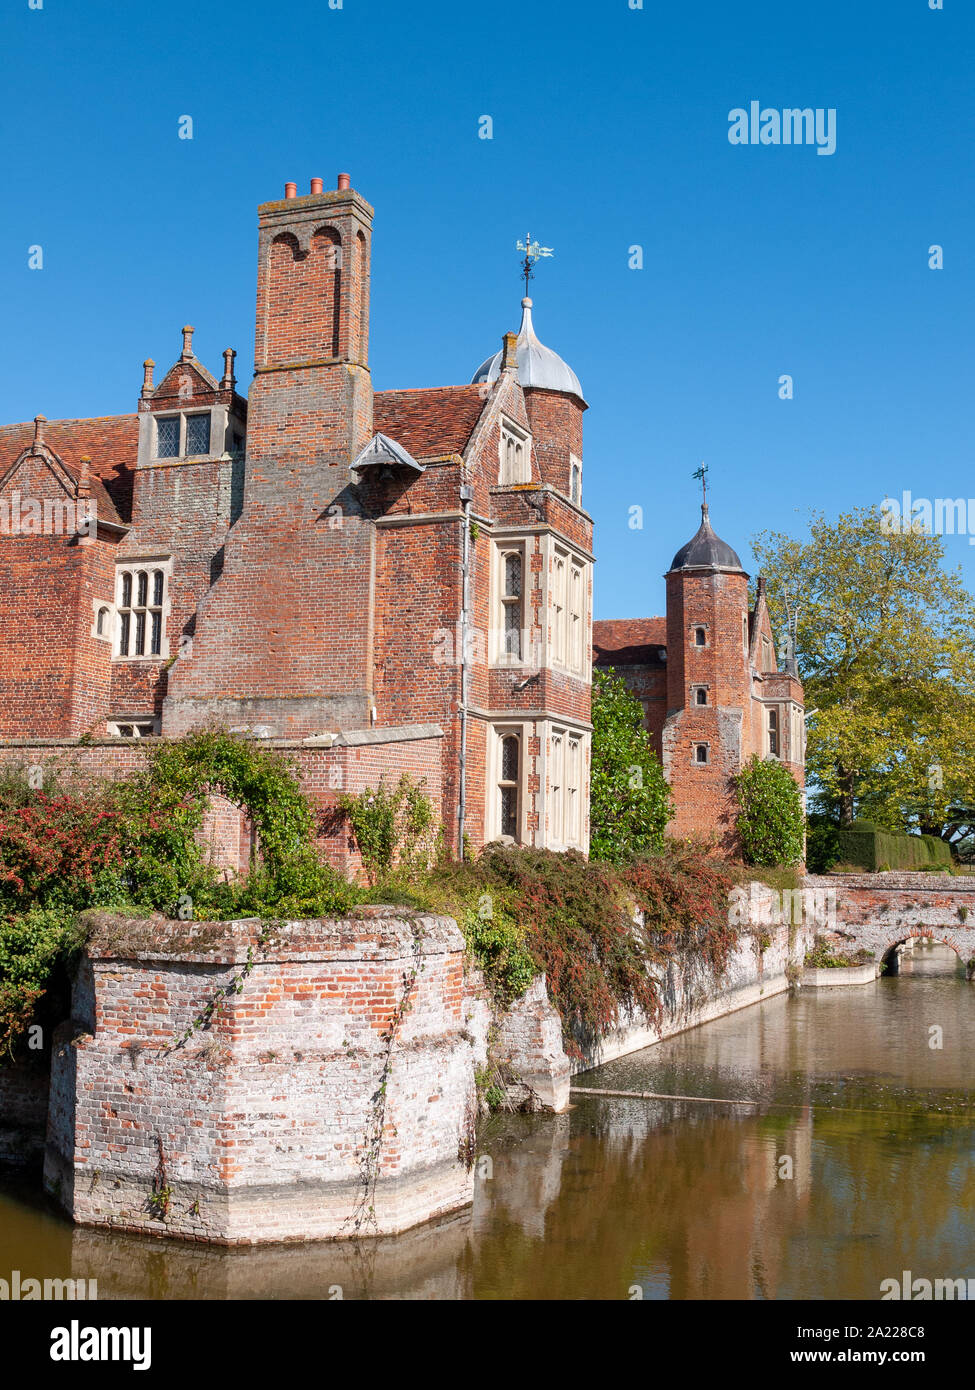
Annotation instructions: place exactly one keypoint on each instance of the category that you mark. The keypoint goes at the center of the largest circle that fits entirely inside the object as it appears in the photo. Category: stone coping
(344, 738)
(380, 934)
(815, 977)
(895, 878)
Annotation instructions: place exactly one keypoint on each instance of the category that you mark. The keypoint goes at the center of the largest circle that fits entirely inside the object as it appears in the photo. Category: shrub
(630, 803)
(822, 844)
(770, 819)
(134, 844)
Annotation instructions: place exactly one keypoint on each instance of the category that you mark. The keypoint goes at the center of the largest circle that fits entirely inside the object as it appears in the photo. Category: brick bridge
(877, 912)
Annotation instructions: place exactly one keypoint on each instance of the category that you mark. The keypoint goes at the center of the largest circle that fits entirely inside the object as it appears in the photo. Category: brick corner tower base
(236, 1085)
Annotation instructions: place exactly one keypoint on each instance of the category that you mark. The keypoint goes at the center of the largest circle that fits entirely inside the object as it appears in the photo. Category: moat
(847, 1160)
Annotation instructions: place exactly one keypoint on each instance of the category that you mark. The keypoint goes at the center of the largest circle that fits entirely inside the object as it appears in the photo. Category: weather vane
(702, 474)
(532, 252)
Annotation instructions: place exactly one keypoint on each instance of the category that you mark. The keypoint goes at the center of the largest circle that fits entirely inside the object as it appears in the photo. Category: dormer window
(515, 454)
(182, 436)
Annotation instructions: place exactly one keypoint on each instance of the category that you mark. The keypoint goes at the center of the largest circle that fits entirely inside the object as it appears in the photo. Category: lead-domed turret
(705, 550)
(538, 366)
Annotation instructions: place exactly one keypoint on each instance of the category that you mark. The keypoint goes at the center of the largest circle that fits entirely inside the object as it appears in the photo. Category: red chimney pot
(345, 181)
(316, 186)
(291, 190)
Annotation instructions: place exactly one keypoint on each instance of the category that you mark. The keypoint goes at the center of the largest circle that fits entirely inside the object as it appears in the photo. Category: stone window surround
(224, 428)
(509, 430)
(136, 721)
(773, 712)
(701, 685)
(496, 732)
(701, 743)
(706, 629)
(497, 656)
(547, 838)
(575, 472)
(576, 559)
(133, 565)
(99, 606)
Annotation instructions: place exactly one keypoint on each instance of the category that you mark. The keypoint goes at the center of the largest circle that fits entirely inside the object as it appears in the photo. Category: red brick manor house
(379, 581)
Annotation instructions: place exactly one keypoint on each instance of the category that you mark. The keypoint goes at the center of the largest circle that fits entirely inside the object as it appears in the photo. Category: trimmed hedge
(874, 847)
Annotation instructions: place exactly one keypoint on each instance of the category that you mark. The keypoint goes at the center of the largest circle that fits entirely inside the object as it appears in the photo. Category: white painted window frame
(133, 567)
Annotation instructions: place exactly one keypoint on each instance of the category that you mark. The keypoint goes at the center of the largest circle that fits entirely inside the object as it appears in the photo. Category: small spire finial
(39, 422)
(188, 332)
(147, 367)
(533, 252)
(84, 476)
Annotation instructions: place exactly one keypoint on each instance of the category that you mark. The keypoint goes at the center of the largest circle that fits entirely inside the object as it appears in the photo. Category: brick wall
(356, 761)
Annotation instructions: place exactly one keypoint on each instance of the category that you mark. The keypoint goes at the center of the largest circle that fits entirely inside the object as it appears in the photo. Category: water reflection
(850, 1162)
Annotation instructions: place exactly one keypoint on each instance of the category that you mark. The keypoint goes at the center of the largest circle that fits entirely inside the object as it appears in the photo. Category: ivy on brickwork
(370, 1152)
(133, 845)
(770, 821)
(393, 825)
(216, 1004)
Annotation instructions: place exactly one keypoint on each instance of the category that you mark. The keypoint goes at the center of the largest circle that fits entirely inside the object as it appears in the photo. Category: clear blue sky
(610, 129)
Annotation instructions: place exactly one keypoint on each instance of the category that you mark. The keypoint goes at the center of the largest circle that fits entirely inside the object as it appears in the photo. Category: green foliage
(497, 943)
(579, 921)
(874, 847)
(135, 844)
(392, 825)
(825, 956)
(822, 843)
(886, 652)
(770, 817)
(630, 803)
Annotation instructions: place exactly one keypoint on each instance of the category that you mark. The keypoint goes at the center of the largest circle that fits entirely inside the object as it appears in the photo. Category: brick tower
(706, 735)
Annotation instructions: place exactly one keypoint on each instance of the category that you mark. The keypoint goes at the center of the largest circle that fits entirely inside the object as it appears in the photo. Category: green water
(675, 1198)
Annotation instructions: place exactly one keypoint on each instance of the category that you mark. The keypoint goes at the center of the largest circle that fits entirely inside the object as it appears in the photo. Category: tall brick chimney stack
(284, 638)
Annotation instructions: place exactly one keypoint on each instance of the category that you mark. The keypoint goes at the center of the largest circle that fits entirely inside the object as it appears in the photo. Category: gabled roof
(429, 421)
(110, 441)
(629, 641)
